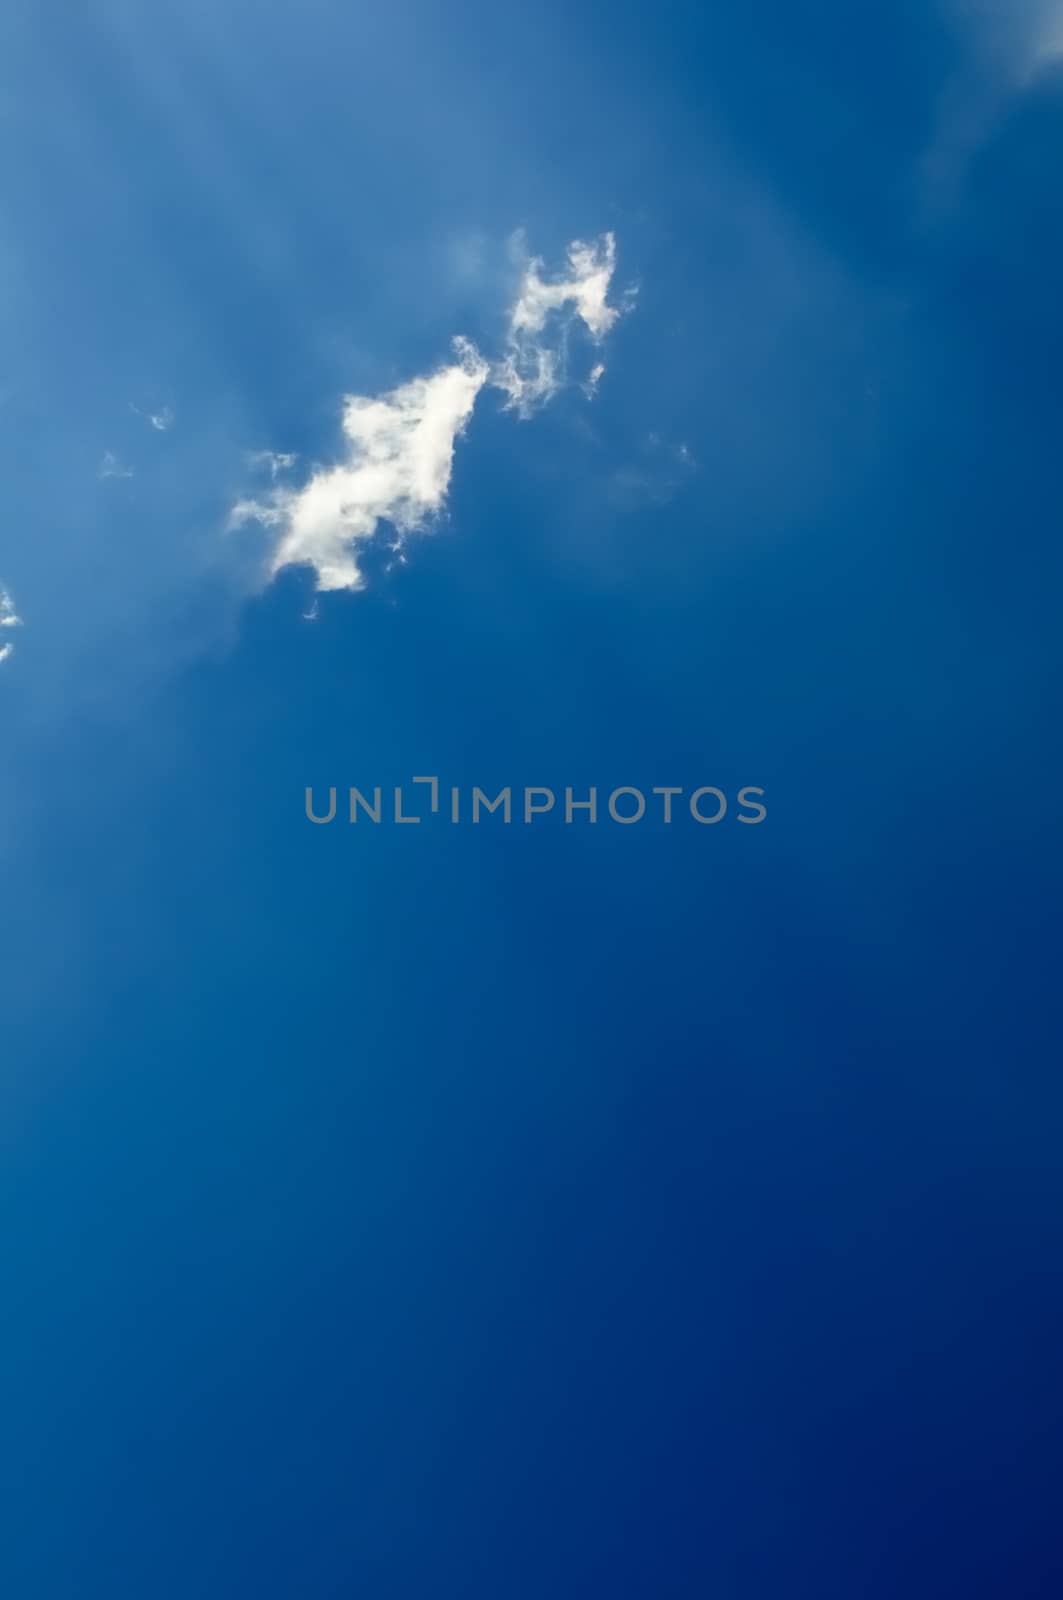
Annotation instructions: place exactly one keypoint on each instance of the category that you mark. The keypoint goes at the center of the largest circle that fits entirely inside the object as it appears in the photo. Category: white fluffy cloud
(534, 366)
(399, 447)
(9, 618)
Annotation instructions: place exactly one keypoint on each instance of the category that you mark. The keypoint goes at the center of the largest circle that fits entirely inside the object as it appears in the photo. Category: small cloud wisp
(111, 467)
(9, 618)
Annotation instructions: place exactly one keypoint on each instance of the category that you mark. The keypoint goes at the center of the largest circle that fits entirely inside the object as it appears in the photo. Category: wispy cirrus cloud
(399, 446)
(111, 467)
(9, 618)
(272, 461)
(534, 366)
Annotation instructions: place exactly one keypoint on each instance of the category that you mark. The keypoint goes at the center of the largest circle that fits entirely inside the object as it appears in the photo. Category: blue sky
(535, 1209)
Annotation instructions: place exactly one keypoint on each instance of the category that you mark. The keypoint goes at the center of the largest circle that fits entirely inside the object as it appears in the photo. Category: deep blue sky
(550, 1211)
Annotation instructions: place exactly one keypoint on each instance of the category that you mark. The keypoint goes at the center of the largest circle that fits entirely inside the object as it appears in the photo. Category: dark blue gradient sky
(542, 1211)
